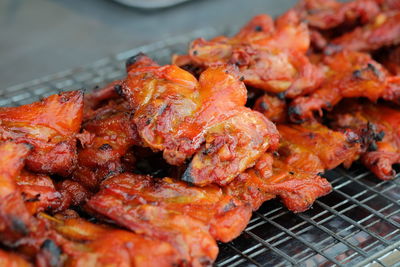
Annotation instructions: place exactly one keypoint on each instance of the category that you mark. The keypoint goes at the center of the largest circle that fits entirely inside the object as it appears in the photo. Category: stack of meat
(153, 169)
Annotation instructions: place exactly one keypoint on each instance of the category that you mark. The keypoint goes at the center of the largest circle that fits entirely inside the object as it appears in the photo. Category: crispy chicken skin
(10, 259)
(92, 245)
(38, 192)
(169, 220)
(231, 147)
(50, 126)
(182, 117)
(383, 30)
(18, 228)
(225, 216)
(15, 220)
(106, 137)
(272, 107)
(349, 74)
(328, 14)
(292, 173)
(270, 56)
(378, 126)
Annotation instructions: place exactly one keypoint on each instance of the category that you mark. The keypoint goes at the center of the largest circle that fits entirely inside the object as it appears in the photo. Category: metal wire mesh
(358, 224)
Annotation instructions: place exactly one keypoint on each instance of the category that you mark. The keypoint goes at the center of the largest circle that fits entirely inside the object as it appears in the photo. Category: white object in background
(150, 3)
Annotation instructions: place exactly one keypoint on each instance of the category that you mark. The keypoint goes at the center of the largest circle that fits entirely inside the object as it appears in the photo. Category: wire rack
(358, 224)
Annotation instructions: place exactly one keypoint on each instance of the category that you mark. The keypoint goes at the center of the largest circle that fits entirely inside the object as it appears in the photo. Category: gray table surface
(41, 37)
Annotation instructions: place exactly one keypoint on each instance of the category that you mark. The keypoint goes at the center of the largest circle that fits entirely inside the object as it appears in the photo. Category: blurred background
(43, 37)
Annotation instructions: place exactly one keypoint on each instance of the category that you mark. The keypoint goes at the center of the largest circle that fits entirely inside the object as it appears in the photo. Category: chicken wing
(272, 107)
(293, 172)
(382, 31)
(348, 75)
(50, 126)
(161, 209)
(270, 56)
(106, 137)
(176, 114)
(15, 220)
(38, 192)
(328, 14)
(92, 245)
(10, 259)
(378, 126)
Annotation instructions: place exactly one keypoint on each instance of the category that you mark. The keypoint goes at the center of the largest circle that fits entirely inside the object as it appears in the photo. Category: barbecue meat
(349, 75)
(15, 220)
(272, 107)
(186, 216)
(378, 127)
(293, 172)
(106, 137)
(38, 191)
(11, 259)
(328, 14)
(382, 31)
(50, 126)
(88, 244)
(231, 147)
(270, 56)
(182, 116)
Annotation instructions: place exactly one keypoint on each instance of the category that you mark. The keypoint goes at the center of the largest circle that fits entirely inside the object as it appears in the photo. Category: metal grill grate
(358, 224)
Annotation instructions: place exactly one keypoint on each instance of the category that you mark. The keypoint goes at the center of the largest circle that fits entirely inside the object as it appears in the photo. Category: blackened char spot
(332, 49)
(379, 136)
(52, 252)
(372, 146)
(132, 60)
(105, 147)
(34, 199)
(258, 28)
(281, 95)
(231, 205)
(294, 114)
(264, 106)
(357, 74)
(118, 90)
(374, 69)
(19, 226)
(187, 175)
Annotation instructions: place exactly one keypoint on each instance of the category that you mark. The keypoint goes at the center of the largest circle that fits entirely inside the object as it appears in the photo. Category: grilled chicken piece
(231, 147)
(73, 194)
(224, 216)
(11, 259)
(272, 107)
(391, 60)
(382, 31)
(38, 192)
(270, 56)
(328, 14)
(15, 220)
(18, 228)
(348, 75)
(377, 124)
(186, 216)
(93, 245)
(50, 126)
(182, 117)
(106, 137)
(293, 172)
